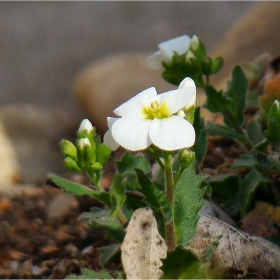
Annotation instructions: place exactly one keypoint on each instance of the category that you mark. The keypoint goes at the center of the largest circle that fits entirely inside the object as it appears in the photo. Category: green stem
(99, 186)
(247, 144)
(155, 155)
(122, 219)
(169, 185)
(178, 175)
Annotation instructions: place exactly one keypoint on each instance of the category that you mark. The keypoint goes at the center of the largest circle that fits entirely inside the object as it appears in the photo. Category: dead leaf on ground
(238, 254)
(143, 247)
(267, 217)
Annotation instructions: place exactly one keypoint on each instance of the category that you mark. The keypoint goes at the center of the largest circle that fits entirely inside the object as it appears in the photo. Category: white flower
(149, 118)
(166, 50)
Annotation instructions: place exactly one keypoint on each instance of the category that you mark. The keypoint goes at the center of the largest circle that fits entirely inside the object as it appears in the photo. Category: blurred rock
(29, 143)
(107, 83)
(61, 204)
(248, 38)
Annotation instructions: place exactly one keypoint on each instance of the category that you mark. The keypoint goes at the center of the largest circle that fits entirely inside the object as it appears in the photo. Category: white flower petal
(109, 141)
(178, 98)
(186, 83)
(132, 133)
(172, 134)
(134, 106)
(180, 44)
(154, 61)
(110, 121)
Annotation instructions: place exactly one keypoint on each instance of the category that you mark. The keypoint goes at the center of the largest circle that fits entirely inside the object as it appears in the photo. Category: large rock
(255, 33)
(108, 82)
(29, 143)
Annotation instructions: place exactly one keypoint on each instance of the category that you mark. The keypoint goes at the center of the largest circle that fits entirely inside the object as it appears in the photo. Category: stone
(105, 84)
(29, 143)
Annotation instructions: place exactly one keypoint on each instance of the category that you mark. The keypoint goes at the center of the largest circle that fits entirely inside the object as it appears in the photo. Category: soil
(33, 245)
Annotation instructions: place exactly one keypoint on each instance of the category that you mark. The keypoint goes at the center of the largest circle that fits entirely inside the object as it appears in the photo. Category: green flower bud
(96, 166)
(186, 157)
(273, 123)
(68, 149)
(71, 164)
(206, 65)
(103, 153)
(197, 47)
(86, 130)
(217, 64)
(86, 155)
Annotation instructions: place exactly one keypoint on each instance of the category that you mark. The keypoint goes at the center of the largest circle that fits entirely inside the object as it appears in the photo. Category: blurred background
(43, 45)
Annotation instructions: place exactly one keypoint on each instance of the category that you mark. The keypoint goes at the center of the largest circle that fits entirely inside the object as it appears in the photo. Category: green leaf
(214, 129)
(201, 140)
(129, 162)
(273, 123)
(182, 264)
(254, 130)
(154, 197)
(216, 101)
(90, 274)
(237, 93)
(217, 64)
(187, 202)
(225, 189)
(248, 161)
(101, 218)
(249, 186)
(78, 189)
(224, 186)
(107, 253)
(117, 191)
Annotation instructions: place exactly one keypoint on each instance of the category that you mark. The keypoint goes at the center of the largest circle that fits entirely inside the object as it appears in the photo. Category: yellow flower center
(156, 110)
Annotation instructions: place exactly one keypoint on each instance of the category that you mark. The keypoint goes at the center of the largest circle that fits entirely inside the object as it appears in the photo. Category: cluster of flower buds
(89, 154)
(184, 57)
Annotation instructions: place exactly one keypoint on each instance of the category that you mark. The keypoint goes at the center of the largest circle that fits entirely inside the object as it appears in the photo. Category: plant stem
(169, 190)
(155, 155)
(122, 219)
(227, 114)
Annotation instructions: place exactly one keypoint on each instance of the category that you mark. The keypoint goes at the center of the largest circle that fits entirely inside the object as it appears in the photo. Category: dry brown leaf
(238, 254)
(143, 246)
(263, 221)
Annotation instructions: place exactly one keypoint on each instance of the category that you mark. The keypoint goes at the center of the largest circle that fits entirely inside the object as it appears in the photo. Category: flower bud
(86, 155)
(217, 64)
(186, 157)
(86, 130)
(96, 166)
(71, 164)
(206, 65)
(197, 47)
(68, 149)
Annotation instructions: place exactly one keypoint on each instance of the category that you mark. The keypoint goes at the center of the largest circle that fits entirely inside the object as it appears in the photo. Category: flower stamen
(156, 110)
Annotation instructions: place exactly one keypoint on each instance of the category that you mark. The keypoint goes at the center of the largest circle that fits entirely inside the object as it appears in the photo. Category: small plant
(152, 218)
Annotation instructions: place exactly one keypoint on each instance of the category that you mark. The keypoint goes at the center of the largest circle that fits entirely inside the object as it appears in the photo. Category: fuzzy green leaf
(109, 252)
(249, 186)
(187, 202)
(182, 264)
(90, 274)
(77, 189)
(154, 197)
(129, 162)
(117, 191)
(101, 218)
(248, 161)
(255, 131)
(216, 101)
(237, 93)
(214, 129)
